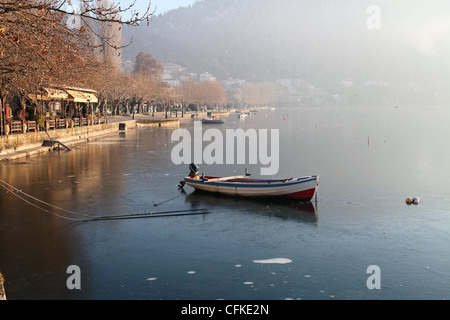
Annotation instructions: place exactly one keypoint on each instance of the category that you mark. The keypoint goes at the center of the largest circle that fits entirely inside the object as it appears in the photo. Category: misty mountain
(323, 42)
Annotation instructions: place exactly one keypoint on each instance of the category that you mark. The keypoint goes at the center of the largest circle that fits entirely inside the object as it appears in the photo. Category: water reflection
(129, 174)
(281, 208)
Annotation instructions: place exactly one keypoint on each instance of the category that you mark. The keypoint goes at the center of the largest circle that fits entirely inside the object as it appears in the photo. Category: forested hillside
(323, 42)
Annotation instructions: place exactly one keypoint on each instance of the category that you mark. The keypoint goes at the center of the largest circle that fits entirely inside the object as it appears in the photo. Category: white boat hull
(300, 188)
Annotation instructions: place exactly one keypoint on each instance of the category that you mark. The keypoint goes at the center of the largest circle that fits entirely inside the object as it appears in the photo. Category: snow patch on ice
(274, 260)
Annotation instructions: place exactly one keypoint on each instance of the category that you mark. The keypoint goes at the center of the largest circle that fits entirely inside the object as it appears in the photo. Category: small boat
(302, 188)
(213, 119)
(243, 115)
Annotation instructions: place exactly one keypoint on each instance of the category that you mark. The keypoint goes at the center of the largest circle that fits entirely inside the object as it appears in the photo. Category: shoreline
(25, 145)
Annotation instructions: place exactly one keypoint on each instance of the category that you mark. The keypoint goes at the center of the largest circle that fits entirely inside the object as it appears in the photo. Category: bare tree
(147, 66)
(39, 45)
(210, 93)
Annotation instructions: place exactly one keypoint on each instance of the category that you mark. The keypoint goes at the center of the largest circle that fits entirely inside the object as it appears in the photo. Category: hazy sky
(166, 5)
(161, 6)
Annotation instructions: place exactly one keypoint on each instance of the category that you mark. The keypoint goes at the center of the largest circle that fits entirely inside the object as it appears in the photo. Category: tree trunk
(127, 107)
(116, 107)
(2, 125)
(104, 109)
(165, 107)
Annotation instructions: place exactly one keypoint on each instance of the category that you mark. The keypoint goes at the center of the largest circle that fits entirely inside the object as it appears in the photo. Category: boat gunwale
(252, 183)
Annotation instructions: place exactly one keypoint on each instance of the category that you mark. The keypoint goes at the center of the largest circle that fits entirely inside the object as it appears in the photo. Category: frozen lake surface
(369, 161)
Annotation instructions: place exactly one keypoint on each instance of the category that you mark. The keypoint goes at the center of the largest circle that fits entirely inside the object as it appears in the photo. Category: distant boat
(213, 119)
(242, 115)
(302, 188)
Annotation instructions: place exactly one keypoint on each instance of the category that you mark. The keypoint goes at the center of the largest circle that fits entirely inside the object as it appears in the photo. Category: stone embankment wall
(27, 144)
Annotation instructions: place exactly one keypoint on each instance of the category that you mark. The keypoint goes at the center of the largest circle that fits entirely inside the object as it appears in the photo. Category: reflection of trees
(38, 245)
(90, 173)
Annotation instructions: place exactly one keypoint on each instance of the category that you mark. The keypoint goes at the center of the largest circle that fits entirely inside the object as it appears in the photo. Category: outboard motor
(194, 170)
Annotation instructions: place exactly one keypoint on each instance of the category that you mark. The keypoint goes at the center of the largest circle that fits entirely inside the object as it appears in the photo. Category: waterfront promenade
(20, 145)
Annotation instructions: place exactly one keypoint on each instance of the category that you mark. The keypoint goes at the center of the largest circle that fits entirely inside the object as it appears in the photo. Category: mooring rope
(15, 191)
(36, 199)
(175, 213)
(158, 204)
(35, 205)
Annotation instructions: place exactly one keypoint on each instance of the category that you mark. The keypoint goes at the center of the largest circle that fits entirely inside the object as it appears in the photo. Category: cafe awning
(69, 94)
(49, 94)
(56, 94)
(81, 96)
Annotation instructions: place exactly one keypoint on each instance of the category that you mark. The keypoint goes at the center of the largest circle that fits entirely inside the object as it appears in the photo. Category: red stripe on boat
(300, 195)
